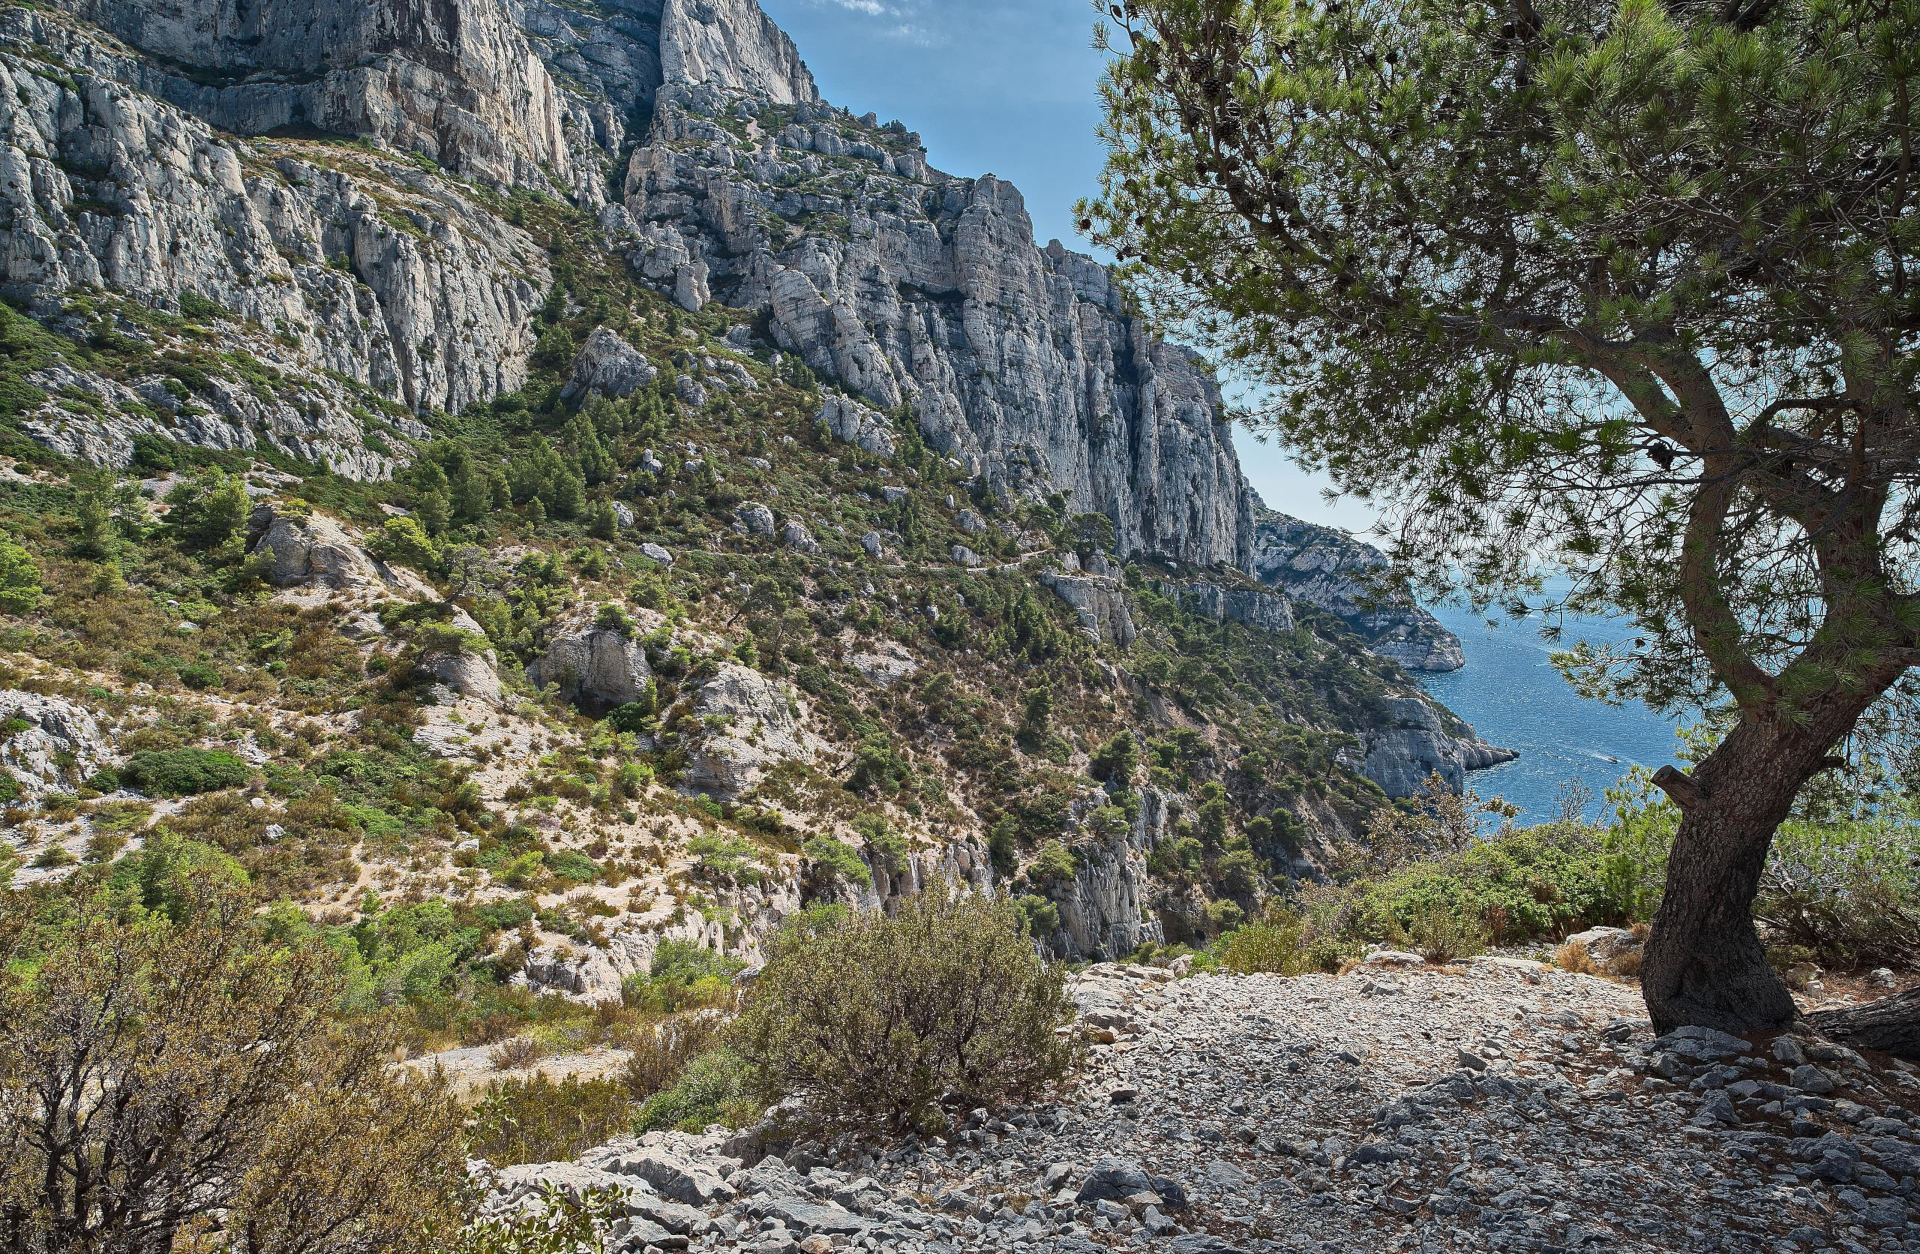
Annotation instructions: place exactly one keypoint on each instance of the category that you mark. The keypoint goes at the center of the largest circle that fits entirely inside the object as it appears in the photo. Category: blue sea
(1514, 697)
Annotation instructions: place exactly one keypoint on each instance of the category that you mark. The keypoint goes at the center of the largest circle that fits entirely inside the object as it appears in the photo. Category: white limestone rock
(742, 725)
(608, 366)
(597, 667)
(50, 744)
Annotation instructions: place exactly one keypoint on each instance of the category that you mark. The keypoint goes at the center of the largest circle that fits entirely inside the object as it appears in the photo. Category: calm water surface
(1514, 697)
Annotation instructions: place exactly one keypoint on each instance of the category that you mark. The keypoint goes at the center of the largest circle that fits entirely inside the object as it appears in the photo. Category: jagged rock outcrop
(928, 290)
(300, 550)
(455, 80)
(608, 366)
(50, 744)
(594, 666)
(1098, 601)
(1409, 743)
(899, 283)
(1104, 910)
(742, 725)
(1252, 607)
(1334, 572)
(361, 275)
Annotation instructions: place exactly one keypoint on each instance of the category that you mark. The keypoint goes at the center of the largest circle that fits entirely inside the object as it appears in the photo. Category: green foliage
(728, 858)
(716, 1088)
(20, 591)
(539, 1120)
(1559, 399)
(838, 860)
(1273, 947)
(1114, 761)
(868, 1024)
(682, 976)
(208, 512)
(404, 542)
(184, 772)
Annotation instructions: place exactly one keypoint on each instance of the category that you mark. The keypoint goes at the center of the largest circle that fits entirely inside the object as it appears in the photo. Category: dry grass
(516, 1054)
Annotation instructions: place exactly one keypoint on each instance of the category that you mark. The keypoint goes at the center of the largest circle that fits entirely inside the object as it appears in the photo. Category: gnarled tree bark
(1890, 1025)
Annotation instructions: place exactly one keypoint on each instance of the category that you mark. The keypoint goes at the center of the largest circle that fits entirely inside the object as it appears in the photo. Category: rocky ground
(1498, 1105)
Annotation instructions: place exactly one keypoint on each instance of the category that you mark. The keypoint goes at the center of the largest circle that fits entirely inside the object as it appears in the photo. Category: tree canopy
(1619, 288)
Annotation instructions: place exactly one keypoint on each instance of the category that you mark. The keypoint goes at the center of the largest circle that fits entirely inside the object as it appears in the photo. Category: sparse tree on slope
(1621, 285)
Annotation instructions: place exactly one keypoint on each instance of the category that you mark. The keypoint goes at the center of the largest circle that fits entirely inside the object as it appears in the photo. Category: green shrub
(838, 860)
(20, 591)
(728, 858)
(537, 1120)
(1274, 947)
(1845, 894)
(208, 511)
(1040, 916)
(199, 676)
(404, 542)
(870, 1022)
(714, 1089)
(1443, 935)
(184, 772)
(682, 976)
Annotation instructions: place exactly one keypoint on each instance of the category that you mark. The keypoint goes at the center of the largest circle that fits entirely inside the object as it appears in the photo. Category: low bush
(869, 1021)
(184, 772)
(539, 1120)
(715, 1088)
(682, 976)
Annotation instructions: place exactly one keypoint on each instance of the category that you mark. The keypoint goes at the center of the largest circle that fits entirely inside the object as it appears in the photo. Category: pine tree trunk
(1704, 964)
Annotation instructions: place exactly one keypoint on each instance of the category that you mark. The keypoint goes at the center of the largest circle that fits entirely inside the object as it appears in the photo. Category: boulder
(1118, 1179)
(607, 366)
(1100, 603)
(681, 1177)
(850, 422)
(742, 725)
(1604, 945)
(757, 518)
(596, 667)
(314, 550)
(60, 746)
(464, 673)
(798, 538)
(656, 554)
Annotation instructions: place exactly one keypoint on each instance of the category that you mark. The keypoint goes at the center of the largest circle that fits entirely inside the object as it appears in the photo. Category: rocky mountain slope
(541, 457)
(1497, 1105)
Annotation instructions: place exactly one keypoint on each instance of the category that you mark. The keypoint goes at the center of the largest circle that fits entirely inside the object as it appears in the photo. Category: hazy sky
(1000, 87)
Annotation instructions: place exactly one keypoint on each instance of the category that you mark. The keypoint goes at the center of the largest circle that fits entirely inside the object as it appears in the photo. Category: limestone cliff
(1332, 571)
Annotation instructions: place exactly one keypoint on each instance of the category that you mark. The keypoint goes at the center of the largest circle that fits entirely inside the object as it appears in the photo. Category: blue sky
(1002, 87)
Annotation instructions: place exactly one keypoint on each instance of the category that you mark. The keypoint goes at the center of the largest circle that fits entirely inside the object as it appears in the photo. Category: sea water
(1514, 697)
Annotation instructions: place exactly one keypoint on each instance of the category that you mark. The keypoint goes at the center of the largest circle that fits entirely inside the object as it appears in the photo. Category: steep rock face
(1332, 571)
(1105, 911)
(909, 287)
(903, 285)
(455, 80)
(1411, 743)
(1100, 603)
(363, 274)
(1263, 611)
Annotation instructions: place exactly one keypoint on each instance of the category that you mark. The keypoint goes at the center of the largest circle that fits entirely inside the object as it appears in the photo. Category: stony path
(1497, 1106)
